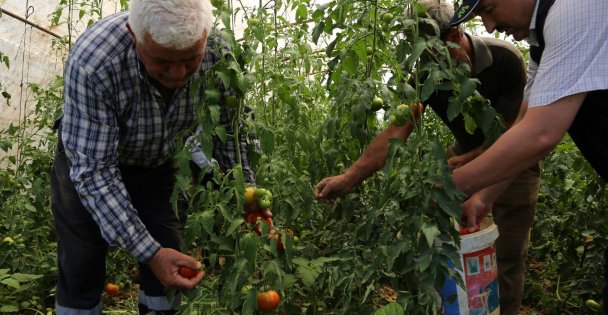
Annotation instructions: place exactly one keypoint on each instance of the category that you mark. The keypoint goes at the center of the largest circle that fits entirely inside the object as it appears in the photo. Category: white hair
(441, 11)
(176, 24)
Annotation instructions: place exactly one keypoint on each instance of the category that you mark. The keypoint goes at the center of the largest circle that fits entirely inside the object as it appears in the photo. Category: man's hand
(474, 210)
(330, 188)
(165, 266)
(460, 160)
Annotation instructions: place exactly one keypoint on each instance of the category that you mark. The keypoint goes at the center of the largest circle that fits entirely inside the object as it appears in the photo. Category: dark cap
(464, 12)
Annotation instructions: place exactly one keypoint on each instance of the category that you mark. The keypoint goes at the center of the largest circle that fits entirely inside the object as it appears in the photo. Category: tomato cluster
(404, 113)
(257, 205)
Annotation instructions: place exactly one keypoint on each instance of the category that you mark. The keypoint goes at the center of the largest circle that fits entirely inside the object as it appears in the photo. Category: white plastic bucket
(480, 276)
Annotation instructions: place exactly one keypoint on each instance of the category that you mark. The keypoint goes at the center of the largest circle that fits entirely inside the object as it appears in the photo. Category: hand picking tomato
(268, 301)
(112, 288)
(187, 272)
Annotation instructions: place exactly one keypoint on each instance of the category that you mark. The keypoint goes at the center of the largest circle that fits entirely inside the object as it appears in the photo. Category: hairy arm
(372, 159)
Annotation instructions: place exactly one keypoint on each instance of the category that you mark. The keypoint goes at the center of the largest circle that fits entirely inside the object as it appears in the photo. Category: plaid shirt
(114, 115)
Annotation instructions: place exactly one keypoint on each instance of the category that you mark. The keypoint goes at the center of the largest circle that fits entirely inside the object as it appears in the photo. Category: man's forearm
(374, 156)
(524, 144)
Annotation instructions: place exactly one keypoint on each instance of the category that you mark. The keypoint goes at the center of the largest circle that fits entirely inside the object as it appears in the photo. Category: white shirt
(575, 58)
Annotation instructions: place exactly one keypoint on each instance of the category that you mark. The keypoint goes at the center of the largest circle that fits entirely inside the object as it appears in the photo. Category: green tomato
(592, 304)
(262, 192)
(264, 203)
(387, 17)
(253, 22)
(397, 120)
(246, 288)
(231, 101)
(377, 103)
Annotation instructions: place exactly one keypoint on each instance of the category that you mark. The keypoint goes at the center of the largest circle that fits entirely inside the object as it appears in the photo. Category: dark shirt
(501, 70)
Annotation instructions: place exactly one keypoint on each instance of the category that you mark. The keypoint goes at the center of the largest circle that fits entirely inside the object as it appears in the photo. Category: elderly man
(129, 93)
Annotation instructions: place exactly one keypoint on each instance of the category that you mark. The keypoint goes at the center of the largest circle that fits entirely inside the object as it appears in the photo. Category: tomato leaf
(249, 245)
(430, 232)
(390, 309)
(208, 220)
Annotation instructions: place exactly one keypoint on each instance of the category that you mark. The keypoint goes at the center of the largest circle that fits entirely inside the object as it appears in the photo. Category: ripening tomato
(417, 110)
(112, 288)
(249, 195)
(268, 301)
(253, 219)
(187, 272)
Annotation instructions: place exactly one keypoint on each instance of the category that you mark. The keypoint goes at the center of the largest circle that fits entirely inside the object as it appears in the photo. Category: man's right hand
(474, 210)
(330, 188)
(165, 266)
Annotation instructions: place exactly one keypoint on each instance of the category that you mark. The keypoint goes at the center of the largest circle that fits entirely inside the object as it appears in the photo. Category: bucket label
(481, 279)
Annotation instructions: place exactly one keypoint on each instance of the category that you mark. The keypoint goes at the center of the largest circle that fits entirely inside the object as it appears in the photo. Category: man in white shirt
(567, 91)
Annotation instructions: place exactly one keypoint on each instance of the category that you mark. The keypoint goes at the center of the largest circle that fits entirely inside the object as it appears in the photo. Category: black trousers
(81, 250)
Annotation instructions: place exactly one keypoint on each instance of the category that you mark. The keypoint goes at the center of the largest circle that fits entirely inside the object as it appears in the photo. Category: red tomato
(417, 110)
(464, 230)
(187, 272)
(112, 288)
(268, 301)
(253, 218)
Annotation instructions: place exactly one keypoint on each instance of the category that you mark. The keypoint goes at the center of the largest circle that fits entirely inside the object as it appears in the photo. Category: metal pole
(13, 15)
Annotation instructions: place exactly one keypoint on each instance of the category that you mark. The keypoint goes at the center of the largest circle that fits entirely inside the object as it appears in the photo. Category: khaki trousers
(513, 212)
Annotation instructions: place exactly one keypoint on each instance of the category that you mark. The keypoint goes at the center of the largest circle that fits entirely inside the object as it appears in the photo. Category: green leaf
(390, 309)
(469, 124)
(249, 246)
(208, 218)
(467, 88)
(22, 277)
(9, 308)
(430, 232)
(430, 84)
(250, 303)
(220, 131)
(214, 113)
(267, 141)
(349, 64)
(419, 47)
(235, 225)
(11, 283)
(317, 31)
(308, 274)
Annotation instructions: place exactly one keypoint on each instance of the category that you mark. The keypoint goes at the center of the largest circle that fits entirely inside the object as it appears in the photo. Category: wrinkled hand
(165, 266)
(474, 210)
(330, 188)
